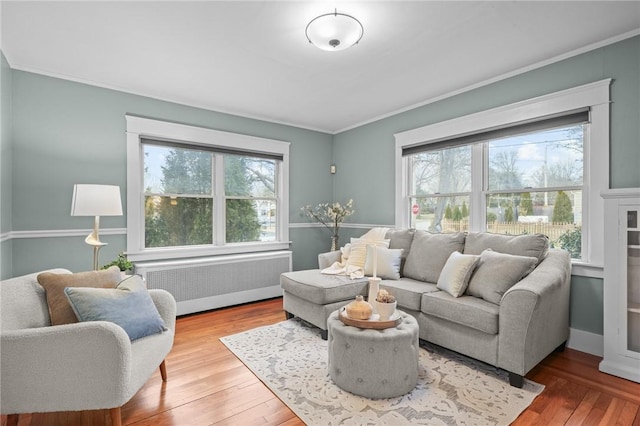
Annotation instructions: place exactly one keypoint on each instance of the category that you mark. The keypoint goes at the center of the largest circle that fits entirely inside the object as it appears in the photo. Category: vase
(385, 310)
(359, 309)
(334, 242)
(374, 286)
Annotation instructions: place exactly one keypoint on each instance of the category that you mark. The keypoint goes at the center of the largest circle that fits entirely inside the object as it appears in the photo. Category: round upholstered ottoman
(374, 363)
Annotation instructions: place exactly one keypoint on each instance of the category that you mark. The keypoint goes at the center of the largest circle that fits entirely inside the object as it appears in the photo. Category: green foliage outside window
(562, 210)
(464, 210)
(448, 213)
(572, 242)
(508, 214)
(526, 204)
(179, 205)
(457, 214)
(242, 221)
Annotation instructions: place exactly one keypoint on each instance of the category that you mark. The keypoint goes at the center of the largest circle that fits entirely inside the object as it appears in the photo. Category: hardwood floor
(208, 385)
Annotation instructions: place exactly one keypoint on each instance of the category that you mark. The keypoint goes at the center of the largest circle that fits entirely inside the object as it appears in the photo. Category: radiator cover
(213, 282)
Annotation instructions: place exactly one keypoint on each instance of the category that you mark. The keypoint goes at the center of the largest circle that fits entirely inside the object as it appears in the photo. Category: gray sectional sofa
(512, 313)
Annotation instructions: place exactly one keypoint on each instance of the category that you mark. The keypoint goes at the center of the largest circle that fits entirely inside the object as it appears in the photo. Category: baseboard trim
(585, 341)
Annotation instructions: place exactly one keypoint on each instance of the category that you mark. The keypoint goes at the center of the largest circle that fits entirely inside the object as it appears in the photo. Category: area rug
(291, 359)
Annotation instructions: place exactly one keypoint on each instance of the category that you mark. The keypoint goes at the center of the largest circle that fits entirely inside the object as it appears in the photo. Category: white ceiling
(251, 58)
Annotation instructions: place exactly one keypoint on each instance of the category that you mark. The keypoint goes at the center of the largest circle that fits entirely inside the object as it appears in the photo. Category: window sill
(199, 251)
(582, 269)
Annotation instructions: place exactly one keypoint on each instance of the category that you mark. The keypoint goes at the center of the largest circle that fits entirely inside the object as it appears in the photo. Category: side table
(374, 363)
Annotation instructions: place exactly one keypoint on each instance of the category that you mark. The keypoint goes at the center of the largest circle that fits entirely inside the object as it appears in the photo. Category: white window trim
(139, 127)
(596, 154)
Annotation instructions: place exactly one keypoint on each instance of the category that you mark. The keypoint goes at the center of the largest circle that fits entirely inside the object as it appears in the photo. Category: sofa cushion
(400, 239)
(429, 252)
(456, 273)
(498, 272)
(535, 245)
(466, 310)
(387, 262)
(54, 284)
(322, 289)
(358, 250)
(408, 292)
(128, 305)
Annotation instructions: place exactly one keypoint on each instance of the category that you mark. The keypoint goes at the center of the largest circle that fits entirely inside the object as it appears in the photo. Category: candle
(375, 261)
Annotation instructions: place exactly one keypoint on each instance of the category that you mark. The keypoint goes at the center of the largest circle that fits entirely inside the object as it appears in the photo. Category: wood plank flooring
(208, 385)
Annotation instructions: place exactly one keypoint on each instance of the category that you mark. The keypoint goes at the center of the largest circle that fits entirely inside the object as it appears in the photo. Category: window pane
(249, 176)
(170, 170)
(550, 158)
(440, 214)
(178, 221)
(441, 172)
(268, 219)
(556, 214)
(250, 220)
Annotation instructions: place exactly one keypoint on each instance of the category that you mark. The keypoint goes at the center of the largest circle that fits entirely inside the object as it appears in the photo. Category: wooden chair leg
(163, 371)
(12, 419)
(116, 416)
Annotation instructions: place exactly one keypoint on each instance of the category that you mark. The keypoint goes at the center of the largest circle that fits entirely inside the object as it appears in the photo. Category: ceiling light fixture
(334, 31)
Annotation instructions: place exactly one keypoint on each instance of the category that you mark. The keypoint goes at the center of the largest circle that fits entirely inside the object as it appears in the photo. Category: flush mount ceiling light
(334, 31)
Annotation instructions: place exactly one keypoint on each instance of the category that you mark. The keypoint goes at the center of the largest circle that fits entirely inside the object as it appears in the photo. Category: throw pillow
(358, 252)
(456, 273)
(60, 311)
(401, 239)
(429, 252)
(387, 262)
(128, 305)
(498, 272)
(533, 245)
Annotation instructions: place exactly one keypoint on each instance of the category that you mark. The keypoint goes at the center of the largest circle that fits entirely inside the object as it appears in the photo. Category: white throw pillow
(456, 273)
(387, 265)
(358, 253)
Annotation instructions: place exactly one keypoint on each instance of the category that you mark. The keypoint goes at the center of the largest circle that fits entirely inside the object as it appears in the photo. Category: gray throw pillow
(498, 272)
(400, 239)
(429, 252)
(534, 245)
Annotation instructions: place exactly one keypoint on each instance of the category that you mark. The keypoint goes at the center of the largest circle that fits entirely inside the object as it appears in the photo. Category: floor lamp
(96, 200)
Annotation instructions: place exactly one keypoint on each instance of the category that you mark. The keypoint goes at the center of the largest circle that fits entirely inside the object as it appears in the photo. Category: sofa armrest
(534, 314)
(90, 361)
(327, 259)
(166, 305)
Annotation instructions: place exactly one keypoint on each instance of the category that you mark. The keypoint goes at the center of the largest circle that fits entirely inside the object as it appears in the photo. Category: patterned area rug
(291, 359)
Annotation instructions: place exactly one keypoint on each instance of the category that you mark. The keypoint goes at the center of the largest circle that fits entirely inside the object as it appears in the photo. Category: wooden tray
(374, 322)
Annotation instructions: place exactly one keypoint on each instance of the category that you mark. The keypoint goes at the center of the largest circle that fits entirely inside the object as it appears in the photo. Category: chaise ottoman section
(313, 296)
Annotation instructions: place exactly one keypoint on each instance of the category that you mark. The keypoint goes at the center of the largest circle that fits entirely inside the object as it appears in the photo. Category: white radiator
(213, 282)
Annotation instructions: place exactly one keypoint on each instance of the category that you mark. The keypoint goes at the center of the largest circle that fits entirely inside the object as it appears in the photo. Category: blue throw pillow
(128, 305)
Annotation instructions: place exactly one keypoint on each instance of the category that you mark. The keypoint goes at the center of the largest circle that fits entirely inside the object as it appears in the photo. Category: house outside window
(195, 191)
(536, 166)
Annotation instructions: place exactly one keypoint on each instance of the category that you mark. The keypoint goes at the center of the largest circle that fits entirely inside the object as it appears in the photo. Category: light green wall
(66, 133)
(5, 166)
(370, 181)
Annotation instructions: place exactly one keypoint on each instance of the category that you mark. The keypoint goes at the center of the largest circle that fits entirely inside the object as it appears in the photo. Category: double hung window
(531, 182)
(195, 191)
(537, 166)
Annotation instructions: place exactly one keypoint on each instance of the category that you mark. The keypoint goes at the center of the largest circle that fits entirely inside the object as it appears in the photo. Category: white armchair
(72, 367)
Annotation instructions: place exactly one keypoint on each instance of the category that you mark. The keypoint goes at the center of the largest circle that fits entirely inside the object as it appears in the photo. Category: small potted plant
(385, 304)
(121, 262)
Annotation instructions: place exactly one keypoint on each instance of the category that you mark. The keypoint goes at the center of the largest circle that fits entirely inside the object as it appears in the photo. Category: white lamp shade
(334, 31)
(96, 200)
